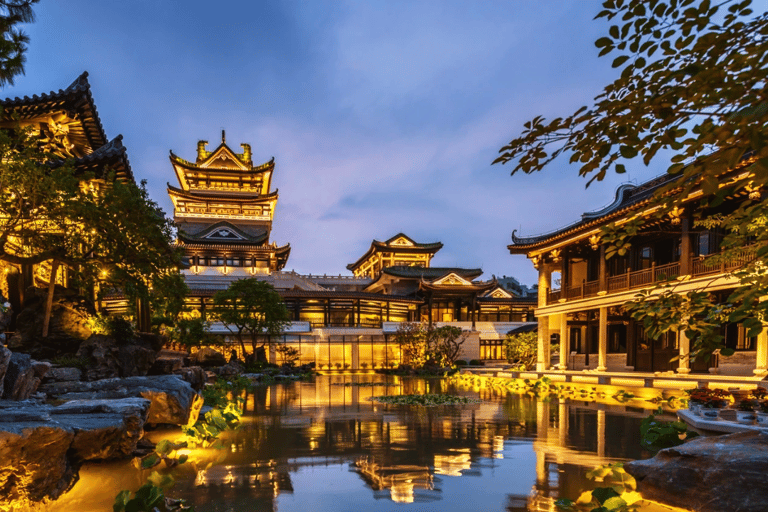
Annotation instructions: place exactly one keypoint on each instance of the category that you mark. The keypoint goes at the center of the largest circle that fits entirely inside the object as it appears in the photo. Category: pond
(324, 446)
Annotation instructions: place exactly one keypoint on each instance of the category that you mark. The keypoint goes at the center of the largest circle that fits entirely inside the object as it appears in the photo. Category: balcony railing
(705, 265)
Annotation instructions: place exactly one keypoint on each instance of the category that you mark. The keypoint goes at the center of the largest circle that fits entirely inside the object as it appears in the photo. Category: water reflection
(324, 446)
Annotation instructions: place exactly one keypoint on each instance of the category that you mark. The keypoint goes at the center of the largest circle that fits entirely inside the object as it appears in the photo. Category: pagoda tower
(224, 211)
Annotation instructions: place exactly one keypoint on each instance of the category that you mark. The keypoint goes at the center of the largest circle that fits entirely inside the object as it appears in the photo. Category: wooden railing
(705, 265)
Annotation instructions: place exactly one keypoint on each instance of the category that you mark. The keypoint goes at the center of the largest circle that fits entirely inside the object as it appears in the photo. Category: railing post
(627, 285)
(653, 271)
(583, 284)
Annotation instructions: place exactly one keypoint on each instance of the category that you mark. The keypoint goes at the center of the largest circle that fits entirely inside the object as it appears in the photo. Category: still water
(322, 446)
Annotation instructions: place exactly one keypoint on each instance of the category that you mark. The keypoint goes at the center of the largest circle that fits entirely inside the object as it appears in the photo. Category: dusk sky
(382, 116)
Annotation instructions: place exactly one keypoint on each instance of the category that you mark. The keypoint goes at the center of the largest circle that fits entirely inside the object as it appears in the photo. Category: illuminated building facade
(224, 210)
(581, 292)
(67, 125)
(224, 207)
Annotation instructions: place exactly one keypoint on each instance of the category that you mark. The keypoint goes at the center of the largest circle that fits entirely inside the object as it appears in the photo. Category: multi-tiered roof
(224, 209)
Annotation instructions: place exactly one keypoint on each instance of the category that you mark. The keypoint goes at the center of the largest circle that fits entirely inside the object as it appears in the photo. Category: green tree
(106, 232)
(521, 349)
(250, 307)
(426, 345)
(167, 299)
(13, 42)
(692, 83)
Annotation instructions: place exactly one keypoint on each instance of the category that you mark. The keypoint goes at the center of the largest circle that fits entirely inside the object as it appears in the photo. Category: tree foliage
(106, 232)
(424, 345)
(13, 41)
(250, 307)
(692, 83)
(521, 349)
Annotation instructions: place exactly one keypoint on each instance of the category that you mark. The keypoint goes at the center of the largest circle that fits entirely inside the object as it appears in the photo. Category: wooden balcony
(701, 266)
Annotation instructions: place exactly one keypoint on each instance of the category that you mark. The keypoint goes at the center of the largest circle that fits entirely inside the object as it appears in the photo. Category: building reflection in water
(411, 454)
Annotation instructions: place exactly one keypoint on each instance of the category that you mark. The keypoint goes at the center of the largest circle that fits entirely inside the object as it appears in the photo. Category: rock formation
(708, 474)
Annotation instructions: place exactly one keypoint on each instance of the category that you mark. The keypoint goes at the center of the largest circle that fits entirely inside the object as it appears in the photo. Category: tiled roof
(76, 98)
(627, 196)
(431, 272)
(113, 154)
(239, 197)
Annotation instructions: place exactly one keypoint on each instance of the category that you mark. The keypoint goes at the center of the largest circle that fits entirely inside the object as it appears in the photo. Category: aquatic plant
(656, 435)
(427, 400)
(619, 496)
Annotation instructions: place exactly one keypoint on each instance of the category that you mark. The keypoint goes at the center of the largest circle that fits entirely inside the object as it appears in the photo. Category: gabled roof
(417, 274)
(453, 284)
(498, 293)
(75, 103)
(398, 243)
(628, 197)
(223, 232)
(223, 158)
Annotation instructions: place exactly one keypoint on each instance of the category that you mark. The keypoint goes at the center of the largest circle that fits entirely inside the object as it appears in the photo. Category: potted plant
(694, 400)
(712, 400)
(745, 412)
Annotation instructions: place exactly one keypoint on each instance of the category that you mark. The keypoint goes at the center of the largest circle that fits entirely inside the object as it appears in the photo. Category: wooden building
(224, 208)
(67, 125)
(581, 292)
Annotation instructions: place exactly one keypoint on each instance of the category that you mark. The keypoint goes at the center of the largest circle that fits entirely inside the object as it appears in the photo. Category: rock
(108, 358)
(65, 374)
(195, 375)
(708, 474)
(68, 326)
(173, 400)
(230, 369)
(165, 365)
(42, 447)
(41, 368)
(208, 357)
(5, 358)
(104, 429)
(20, 380)
(35, 463)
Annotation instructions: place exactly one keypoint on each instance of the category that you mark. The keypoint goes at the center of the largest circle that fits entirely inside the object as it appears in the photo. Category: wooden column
(603, 271)
(474, 307)
(761, 360)
(684, 344)
(542, 352)
(564, 342)
(602, 354)
(544, 283)
(685, 246)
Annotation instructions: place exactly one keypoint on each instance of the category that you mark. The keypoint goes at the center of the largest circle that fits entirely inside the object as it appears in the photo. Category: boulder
(195, 375)
(165, 365)
(708, 474)
(68, 326)
(109, 358)
(41, 368)
(35, 463)
(5, 358)
(208, 357)
(173, 400)
(104, 429)
(42, 446)
(65, 374)
(20, 380)
(230, 369)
